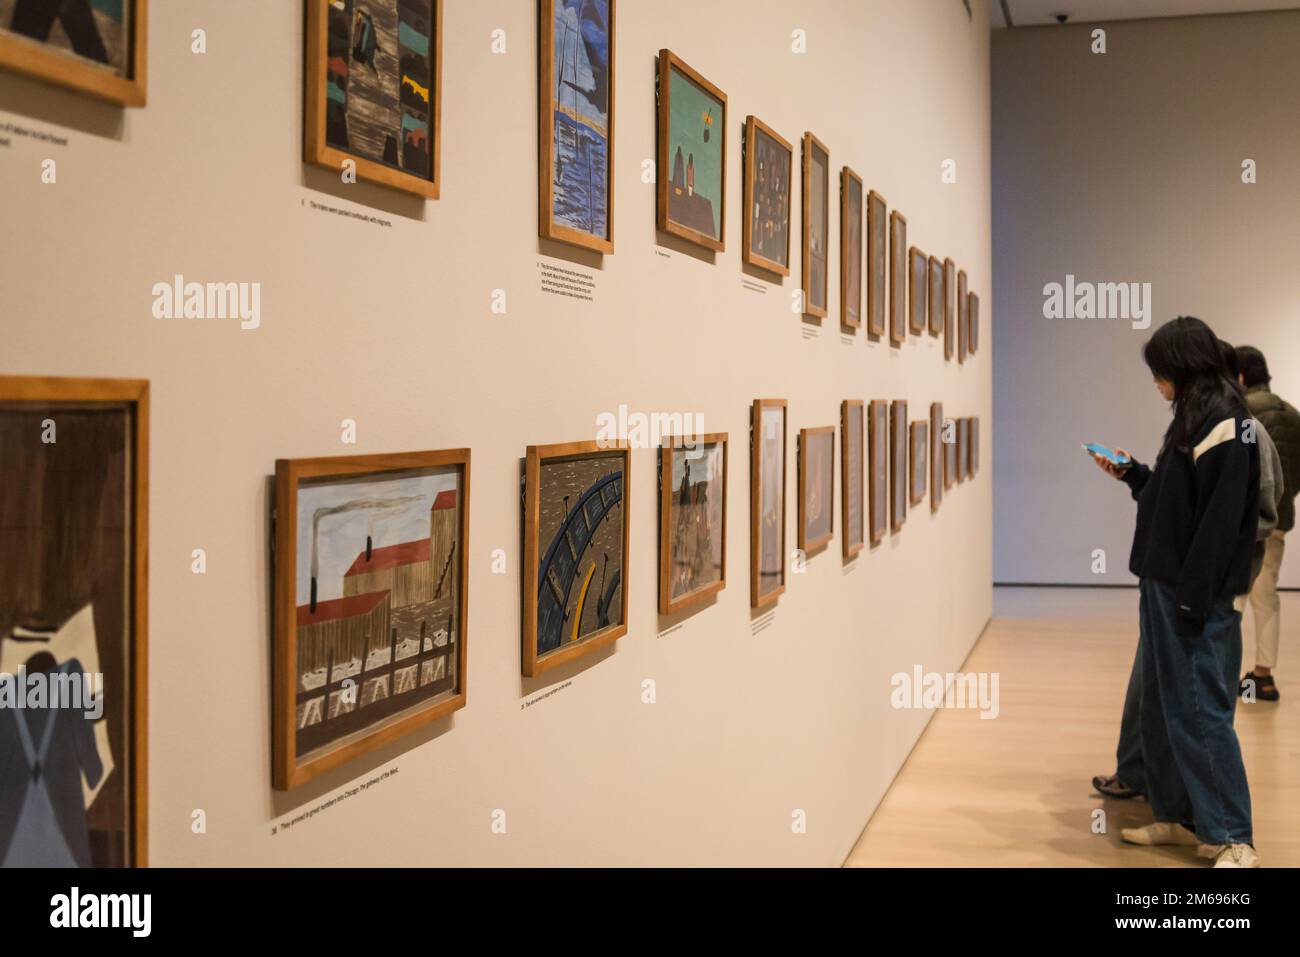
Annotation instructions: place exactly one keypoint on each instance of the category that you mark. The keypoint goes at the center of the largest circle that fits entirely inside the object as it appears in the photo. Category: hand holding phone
(1113, 463)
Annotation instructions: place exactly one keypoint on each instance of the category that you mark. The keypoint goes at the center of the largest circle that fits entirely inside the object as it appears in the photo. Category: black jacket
(1198, 511)
(1283, 424)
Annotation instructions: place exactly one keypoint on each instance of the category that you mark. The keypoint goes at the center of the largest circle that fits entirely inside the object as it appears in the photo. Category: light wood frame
(877, 427)
(949, 307)
(963, 447)
(760, 406)
(668, 61)
(950, 456)
(754, 126)
(917, 290)
(974, 445)
(900, 270)
(315, 148)
(289, 771)
(877, 210)
(935, 296)
(850, 547)
(805, 543)
(533, 663)
(667, 604)
(134, 393)
(547, 228)
(811, 143)
(918, 459)
(963, 317)
(973, 314)
(937, 483)
(848, 179)
(38, 59)
(898, 457)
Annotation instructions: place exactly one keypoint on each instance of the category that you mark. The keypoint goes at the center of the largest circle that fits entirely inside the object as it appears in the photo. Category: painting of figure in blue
(577, 116)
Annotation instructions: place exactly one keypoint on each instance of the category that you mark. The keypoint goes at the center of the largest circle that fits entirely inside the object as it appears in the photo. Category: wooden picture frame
(669, 498)
(318, 149)
(917, 290)
(816, 242)
(877, 270)
(949, 308)
(974, 445)
(963, 317)
(963, 448)
(42, 60)
(668, 187)
(384, 570)
(937, 483)
(816, 488)
(935, 297)
(877, 466)
(777, 209)
(852, 223)
(898, 278)
(46, 397)
(581, 119)
(950, 456)
(608, 492)
(973, 314)
(852, 462)
(898, 465)
(917, 460)
(760, 443)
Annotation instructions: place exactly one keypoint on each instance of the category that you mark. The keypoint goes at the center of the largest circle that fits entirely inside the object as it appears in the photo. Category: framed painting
(917, 290)
(916, 474)
(816, 226)
(374, 89)
(963, 317)
(949, 307)
(767, 502)
(769, 161)
(816, 487)
(935, 298)
(97, 47)
(973, 314)
(963, 448)
(576, 122)
(692, 521)
(898, 278)
(951, 436)
(692, 155)
(370, 603)
(974, 445)
(850, 249)
(877, 468)
(937, 482)
(876, 256)
(575, 551)
(898, 465)
(74, 538)
(851, 490)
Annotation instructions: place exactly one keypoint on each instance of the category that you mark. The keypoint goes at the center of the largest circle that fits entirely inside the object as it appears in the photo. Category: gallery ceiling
(1032, 13)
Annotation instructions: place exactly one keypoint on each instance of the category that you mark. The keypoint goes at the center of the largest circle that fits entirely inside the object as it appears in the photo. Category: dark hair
(1185, 352)
(1230, 365)
(1254, 367)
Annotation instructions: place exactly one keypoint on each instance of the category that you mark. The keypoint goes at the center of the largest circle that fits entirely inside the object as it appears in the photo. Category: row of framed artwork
(373, 107)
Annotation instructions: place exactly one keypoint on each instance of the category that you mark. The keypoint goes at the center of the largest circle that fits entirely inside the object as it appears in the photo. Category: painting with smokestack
(377, 617)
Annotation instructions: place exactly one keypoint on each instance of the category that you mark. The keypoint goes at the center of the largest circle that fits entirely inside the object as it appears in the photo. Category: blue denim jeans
(1129, 767)
(1194, 772)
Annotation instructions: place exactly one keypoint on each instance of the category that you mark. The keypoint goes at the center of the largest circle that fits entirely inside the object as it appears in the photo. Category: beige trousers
(1266, 604)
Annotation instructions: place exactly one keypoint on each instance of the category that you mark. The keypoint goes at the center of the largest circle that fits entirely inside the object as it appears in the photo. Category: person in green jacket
(1282, 421)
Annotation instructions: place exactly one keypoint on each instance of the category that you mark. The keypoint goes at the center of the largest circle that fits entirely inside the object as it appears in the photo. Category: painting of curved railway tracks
(575, 551)
(370, 586)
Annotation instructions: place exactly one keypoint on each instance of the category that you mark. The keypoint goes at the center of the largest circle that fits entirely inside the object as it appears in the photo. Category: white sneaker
(1161, 832)
(1210, 851)
(1237, 855)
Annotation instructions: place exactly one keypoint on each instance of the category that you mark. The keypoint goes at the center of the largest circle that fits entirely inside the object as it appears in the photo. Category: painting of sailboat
(577, 122)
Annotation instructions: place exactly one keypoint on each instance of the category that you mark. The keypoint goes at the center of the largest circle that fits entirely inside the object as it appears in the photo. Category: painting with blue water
(577, 122)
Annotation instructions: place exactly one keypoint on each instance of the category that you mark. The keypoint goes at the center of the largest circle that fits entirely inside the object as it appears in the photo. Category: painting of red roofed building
(377, 589)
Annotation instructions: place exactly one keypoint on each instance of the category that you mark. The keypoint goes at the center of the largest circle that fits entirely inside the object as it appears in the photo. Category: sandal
(1112, 787)
(1264, 685)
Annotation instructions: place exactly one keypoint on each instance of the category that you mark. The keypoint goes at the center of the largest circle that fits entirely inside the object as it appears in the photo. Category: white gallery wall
(1127, 167)
(390, 324)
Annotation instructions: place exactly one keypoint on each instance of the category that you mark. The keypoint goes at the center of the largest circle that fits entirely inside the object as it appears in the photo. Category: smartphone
(1114, 458)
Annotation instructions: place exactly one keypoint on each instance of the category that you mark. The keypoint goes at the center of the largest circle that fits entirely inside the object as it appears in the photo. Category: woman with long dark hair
(1198, 511)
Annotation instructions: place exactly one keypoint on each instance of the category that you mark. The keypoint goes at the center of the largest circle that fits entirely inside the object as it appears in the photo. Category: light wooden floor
(1015, 791)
